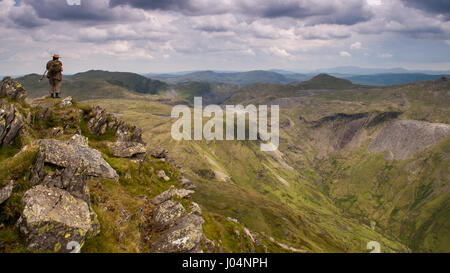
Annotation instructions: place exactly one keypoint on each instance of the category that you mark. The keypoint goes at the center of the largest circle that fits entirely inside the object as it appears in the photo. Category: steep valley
(326, 176)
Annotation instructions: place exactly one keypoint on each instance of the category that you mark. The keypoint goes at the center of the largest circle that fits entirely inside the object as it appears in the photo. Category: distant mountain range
(238, 78)
(392, 79)
(214, 87)
(356, 75)
(355, 70)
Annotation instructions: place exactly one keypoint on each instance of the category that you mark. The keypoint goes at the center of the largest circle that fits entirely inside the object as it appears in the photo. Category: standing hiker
(54, 75)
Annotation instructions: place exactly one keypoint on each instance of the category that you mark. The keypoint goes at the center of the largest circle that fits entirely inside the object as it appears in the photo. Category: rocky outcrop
(6, 191)
(127, 149)
(126, 134)
(73, 155)
(52, 218)
(12, 89)
(100, 121)
(402, 139)
(11, 123)
(128, 138)
(57, 211)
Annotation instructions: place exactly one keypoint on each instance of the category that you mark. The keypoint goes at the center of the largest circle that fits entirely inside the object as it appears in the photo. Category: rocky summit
(65, 185)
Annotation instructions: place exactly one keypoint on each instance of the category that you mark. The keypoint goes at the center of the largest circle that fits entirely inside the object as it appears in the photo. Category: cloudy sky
(182, 35)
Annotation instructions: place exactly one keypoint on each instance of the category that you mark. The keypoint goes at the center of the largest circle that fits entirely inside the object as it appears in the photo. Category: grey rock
(11, 123)
(98, 123)
(166, 214)
(126, 134)
(185, 237)
(65, 154)
(6, 191)
(167, 195)
(74, 181)
(127, 149)
(51, 218)
(12, 89)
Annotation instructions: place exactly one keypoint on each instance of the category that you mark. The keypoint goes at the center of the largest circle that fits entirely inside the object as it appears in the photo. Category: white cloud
(246, 33)
(374, 2)
(356, 46)
(279, 52)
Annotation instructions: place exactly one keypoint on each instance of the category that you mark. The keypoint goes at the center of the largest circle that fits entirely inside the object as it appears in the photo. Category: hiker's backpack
(55, 67)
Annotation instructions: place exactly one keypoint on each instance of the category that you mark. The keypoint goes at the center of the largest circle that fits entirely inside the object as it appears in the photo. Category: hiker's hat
(56, 56)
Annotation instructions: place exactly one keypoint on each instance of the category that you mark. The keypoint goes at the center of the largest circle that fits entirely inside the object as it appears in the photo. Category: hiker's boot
(52, 96)
(57, 96)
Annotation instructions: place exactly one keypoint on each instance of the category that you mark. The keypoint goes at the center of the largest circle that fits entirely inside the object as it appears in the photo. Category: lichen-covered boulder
(165, 214)
(68, 154)
(184, 237)
(127, 149)
(167, 195)
(52, 218)
(11, 123)
(12, 89)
